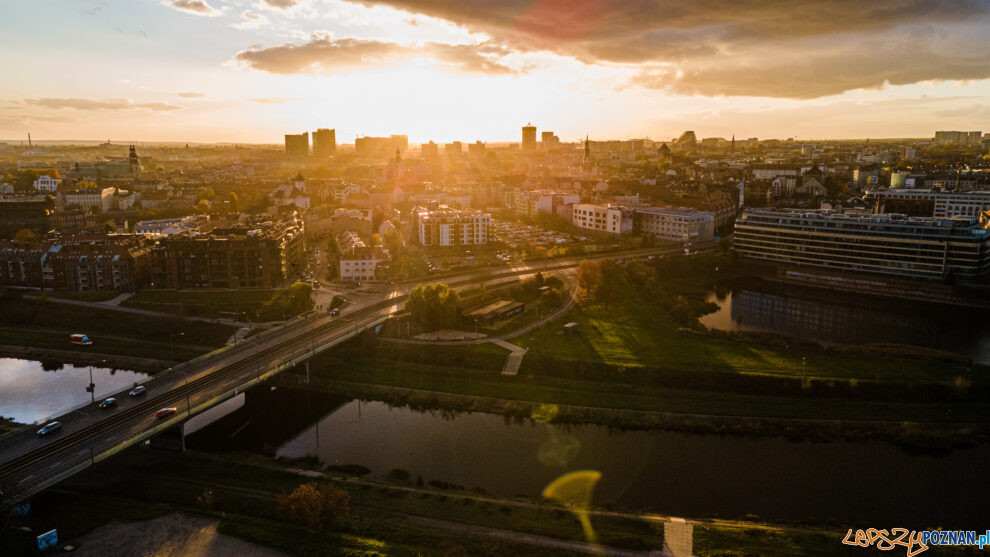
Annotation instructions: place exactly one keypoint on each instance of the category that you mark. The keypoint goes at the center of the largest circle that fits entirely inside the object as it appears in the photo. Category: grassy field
(205, 303)
(84, 295)
(490, 383)
(48, 325)
(632, 331)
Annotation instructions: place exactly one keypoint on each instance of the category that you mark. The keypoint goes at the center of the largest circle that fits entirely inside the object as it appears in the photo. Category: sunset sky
(252, 70)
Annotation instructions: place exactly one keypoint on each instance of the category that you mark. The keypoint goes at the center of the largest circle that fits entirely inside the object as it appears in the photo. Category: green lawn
(490, 383)
(48, 325)
(633, 331)
(103, 343)
(203, 303)
(83, 295)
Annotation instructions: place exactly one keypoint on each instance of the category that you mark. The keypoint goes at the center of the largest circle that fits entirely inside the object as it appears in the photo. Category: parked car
(138, 391)
(50, 427)
(335, 311)
(108, 403)
(165, 412)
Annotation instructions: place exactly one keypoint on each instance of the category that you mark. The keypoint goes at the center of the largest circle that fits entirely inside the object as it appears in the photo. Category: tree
(207, 194)
(596, 279)
(315, 505)
(233, 199)
(203, 206)
(300, 297)
(434, 306)
(589, 276)
(25, 235)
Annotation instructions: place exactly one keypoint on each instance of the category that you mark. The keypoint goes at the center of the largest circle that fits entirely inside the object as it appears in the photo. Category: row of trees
(434, 306)
(678, 285)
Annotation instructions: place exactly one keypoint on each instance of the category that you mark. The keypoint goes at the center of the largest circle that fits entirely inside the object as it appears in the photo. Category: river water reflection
(29, 392)
(831, 318)
(670, 473)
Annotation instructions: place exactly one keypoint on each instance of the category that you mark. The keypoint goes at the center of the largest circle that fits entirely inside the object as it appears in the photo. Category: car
(166, 412)
(49, 428)
(108, 403)
(138, 391)
(335, 311)
(80, 339)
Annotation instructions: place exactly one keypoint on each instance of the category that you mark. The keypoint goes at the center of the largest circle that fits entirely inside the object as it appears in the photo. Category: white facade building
(47, 183)
(452, 227)
(610, 219)
(361, 263)
(86, 198)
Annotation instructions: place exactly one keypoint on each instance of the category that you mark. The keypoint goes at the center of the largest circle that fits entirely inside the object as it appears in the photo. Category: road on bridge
(29, 463)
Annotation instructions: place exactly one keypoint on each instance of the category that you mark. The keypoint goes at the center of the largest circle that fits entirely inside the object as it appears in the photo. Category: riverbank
(648, 410)
(393, 516)
(46, 325)
(75, 357)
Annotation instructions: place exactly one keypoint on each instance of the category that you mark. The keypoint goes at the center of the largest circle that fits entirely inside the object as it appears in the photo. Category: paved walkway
(117, 300)
(150, 313)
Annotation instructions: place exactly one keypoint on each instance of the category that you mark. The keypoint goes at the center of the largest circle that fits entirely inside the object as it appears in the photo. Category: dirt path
(175, 534)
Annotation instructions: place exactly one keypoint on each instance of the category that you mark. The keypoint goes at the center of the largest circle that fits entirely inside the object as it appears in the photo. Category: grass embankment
(46, 324)
(83, 295)
(468, 380)
(241, 494)
(263, 304)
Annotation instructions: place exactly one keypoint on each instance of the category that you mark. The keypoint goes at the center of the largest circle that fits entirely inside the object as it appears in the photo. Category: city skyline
(244, 71)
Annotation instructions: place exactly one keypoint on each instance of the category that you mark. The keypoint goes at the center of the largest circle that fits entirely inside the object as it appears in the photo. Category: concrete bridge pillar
(172, 439)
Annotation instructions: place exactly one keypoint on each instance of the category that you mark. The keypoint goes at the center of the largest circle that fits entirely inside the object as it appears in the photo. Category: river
(834, 318)
(31, 391)
(873, 483)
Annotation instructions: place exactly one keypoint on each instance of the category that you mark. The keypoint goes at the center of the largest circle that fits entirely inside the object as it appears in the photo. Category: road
(29, 463)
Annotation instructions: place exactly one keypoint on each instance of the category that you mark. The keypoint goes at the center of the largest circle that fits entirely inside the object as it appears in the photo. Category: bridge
(30, 464)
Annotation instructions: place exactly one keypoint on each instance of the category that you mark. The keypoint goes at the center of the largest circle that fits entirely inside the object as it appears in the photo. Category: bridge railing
(27, 430)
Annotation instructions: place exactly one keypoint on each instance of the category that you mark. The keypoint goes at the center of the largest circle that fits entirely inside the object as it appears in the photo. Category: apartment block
(268, 255)
(453, 227)
(673, 224)
(609, 219)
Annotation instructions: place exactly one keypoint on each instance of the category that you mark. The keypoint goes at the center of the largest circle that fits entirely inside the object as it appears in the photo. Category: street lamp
(171, 343)
(92, 386)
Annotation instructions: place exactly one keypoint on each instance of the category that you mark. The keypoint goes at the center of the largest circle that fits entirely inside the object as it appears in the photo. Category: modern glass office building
(890, 244)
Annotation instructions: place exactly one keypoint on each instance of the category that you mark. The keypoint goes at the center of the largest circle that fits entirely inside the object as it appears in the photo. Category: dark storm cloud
(325, 55)
(778, 48)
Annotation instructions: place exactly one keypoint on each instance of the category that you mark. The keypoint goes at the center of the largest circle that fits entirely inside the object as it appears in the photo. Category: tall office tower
(430, 150)
(324, 142)
(476, 149)
(297, 146)
(529, 138)
(549, 141)
(546, 141)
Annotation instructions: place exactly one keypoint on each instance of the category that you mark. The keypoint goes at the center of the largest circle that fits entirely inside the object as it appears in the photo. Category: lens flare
(574, 490)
